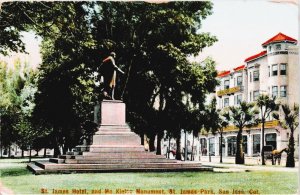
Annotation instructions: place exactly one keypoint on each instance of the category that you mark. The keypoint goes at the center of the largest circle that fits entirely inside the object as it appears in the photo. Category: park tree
(17, 102)
(11, 84)
(266, 106)
(29, 134)
(243, 115)
(152, 42)
(12, 23)
(26, 133)
(289, 121)
(215, 122)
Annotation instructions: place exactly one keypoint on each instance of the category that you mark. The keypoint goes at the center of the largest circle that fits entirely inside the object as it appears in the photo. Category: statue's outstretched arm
(116, 67)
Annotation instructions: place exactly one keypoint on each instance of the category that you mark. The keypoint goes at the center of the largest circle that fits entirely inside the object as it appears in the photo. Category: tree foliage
(243, 115)
(290, 121)
(215, 122)
(17, 88)
(266, 106)
(152, 42)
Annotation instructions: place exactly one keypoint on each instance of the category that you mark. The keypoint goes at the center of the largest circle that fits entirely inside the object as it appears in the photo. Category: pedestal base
(115, 148)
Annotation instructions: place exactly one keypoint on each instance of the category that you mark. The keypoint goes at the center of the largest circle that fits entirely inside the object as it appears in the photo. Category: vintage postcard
(149, 97)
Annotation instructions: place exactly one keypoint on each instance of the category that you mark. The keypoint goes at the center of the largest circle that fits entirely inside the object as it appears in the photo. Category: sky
(33, 48)
(241, 26)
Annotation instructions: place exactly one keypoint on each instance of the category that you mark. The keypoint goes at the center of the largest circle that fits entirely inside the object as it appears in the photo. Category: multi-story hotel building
(273, 71)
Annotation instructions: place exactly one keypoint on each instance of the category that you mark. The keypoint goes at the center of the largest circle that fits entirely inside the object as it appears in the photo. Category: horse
(277, 155)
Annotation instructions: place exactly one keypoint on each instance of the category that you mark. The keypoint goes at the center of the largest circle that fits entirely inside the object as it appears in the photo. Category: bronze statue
(108, 70)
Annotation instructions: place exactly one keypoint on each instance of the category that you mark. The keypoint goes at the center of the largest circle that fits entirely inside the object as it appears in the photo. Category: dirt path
(4, 190)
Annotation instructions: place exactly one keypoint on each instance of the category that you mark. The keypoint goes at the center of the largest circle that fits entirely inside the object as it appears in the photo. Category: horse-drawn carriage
(273, 154)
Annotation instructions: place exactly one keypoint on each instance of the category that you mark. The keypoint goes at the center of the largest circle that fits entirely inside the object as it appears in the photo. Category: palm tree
(241, 116)
(266, 106)
(215, 122)
(290, 121)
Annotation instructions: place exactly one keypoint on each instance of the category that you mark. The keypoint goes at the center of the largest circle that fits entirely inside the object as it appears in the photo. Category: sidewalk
(220, 167)
(251, 164)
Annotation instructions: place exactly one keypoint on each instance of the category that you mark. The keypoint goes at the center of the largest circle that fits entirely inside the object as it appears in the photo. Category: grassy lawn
(16, 177)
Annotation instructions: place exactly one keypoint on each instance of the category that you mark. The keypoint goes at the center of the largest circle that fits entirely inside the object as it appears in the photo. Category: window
(282, 69)
(269, 70)
(283, 91)
(239, 81)
(256, 76)
(250, 77)
(278, 47)
(286, 46)
(274, 70)
(274, 91)
(250, 96)
(255, 95)
(211, 142)
(239, 98)
(231, 141)
(271, 140)
(203, 144)
(270, 48)
(226, 84)
(256, 144)
(226, 102)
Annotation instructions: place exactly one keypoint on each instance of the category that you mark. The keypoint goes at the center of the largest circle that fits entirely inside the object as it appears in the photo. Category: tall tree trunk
(9, 151)
(22, 153)
(192, 152)
(290, 159)
(45, 152)
(239, 157)
(158, 143)
(64, 149)
(56, 147)
(178, 146)
(29, 153)
(263, 143)
(185, 147)
(220, 147)
(56, 150)
(37, 152)
(151, 143)
(169, 149)
(160, 131)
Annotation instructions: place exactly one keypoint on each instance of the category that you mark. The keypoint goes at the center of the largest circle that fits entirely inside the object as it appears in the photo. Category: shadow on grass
(14, 172)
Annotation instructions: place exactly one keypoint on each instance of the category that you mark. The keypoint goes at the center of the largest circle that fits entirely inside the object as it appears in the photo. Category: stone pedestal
(113, 112)
(114, 134)
(114, 148)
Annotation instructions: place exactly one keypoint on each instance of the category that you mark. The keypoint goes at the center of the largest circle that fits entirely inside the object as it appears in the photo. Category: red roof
(224, 73)
(256, 56)
(278, 38)
(239, 68)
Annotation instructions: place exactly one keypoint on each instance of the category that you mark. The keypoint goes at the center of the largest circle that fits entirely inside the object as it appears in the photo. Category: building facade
(273, 71)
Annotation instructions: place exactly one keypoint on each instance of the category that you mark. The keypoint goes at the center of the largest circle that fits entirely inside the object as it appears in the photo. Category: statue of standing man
(108, 70)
